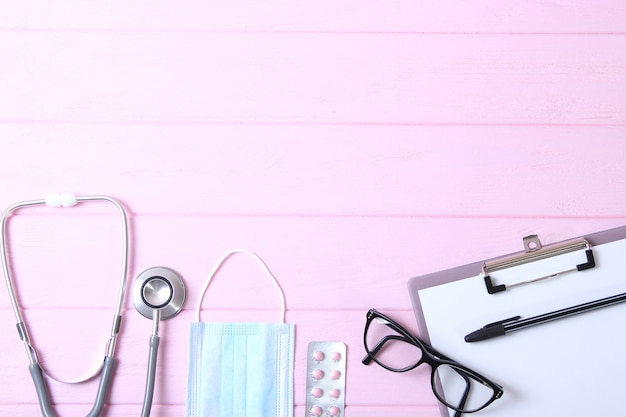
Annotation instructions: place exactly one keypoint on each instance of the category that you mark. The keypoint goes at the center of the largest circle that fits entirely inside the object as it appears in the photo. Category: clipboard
(574, 366)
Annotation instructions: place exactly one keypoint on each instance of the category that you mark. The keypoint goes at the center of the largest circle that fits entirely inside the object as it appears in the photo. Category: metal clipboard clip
(534, 251)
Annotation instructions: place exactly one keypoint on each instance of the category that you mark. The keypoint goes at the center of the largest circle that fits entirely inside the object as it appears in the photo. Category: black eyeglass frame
(430, 356)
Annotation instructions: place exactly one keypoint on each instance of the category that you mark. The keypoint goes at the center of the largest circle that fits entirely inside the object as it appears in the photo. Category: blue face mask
(240, 369)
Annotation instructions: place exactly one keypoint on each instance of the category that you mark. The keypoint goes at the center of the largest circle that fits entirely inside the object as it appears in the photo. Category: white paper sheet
(571, 367)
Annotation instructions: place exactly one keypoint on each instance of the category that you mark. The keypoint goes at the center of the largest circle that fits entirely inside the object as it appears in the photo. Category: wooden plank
(266, 170)
(313, 78)
(349, 263)
(605, 16)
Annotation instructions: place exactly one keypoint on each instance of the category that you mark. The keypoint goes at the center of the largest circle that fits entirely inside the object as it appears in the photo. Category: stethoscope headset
(158, 294)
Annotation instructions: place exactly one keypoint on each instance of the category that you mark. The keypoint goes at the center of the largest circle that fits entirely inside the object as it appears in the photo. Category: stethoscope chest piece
(158, 294)
(158, 288)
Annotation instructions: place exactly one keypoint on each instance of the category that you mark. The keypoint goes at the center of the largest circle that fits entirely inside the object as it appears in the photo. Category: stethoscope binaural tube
(36, 371)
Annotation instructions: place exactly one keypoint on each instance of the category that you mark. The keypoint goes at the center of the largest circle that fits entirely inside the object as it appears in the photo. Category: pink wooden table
(351, 145)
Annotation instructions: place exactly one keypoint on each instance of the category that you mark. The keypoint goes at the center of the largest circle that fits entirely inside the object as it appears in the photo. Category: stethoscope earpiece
(158, 288)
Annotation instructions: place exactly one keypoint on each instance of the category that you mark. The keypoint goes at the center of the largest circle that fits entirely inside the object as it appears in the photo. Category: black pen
(500, 328)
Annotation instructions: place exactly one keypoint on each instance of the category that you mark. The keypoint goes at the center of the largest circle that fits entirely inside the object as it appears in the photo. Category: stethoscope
(158, 294)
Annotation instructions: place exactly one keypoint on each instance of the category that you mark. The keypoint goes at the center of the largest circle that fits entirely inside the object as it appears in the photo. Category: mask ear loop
(260, 262)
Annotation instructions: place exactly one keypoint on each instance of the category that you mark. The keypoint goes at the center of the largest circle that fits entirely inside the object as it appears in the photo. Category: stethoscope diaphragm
(158, 288)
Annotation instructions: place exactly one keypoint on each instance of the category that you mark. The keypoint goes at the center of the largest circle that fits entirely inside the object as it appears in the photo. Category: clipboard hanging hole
(531, 243)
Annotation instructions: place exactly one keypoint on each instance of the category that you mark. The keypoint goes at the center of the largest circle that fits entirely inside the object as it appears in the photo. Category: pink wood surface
(351, 145)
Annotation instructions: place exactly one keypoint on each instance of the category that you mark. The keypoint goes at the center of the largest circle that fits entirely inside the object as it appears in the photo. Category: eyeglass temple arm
(368, 358)
(459, 413)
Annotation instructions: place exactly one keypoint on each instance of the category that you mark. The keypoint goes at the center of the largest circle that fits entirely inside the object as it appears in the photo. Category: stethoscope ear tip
(159, 288)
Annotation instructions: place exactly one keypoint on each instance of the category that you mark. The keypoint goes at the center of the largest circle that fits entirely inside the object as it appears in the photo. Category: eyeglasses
(394, 348)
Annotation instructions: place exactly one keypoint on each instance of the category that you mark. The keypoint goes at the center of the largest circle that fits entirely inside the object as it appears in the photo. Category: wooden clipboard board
(574, 366)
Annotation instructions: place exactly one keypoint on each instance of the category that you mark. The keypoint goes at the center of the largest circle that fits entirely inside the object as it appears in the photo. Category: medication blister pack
(326, 379)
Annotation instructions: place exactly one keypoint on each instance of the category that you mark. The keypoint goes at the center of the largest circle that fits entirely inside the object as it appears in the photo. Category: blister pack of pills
(326, 379)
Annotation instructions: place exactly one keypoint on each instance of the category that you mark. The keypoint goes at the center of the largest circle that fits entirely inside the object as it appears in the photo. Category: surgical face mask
(240, 369)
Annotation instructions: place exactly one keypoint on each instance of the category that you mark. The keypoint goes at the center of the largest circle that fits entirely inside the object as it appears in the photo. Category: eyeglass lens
(462, 390)
(389, 347)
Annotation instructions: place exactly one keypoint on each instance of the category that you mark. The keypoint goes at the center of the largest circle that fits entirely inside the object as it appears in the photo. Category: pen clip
(497, 323)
